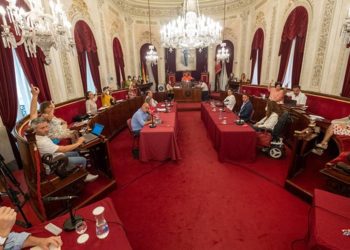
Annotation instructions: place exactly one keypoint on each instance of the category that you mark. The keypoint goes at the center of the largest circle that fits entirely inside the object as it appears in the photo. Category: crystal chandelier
(36, 28)
(191, 29)
(151, 55)
(223, 54)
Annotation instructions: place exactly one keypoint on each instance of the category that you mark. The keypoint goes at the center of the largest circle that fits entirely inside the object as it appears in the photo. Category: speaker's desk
(187, 94)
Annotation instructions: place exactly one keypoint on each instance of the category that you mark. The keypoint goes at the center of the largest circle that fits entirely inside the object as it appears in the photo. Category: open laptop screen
(97, 129)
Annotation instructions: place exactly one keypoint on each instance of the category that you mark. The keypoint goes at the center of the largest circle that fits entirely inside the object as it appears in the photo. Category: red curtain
(85, 43)
(346, 86)
(257, 45)
(8, 100)
(143, 52)
(34, 70)
(295, 27)
(118, 60)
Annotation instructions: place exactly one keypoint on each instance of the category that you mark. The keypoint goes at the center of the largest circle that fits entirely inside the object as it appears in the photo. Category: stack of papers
(316, 117)
(161, 109)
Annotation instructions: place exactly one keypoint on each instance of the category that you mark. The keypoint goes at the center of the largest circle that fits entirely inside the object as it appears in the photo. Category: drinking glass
(80, 227)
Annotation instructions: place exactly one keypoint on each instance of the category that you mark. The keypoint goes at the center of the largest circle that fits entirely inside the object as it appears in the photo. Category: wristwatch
(2, 241)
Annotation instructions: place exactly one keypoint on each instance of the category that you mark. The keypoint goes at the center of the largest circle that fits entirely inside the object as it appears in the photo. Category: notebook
(95, 132)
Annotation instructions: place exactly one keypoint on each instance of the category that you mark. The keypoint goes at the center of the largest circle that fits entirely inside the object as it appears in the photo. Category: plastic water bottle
(102, 229)
(220, 114)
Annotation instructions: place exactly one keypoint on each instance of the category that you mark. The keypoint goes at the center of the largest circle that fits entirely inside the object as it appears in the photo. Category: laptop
(95, 132)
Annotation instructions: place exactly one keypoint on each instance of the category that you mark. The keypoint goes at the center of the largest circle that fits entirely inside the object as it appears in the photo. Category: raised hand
(35, 90)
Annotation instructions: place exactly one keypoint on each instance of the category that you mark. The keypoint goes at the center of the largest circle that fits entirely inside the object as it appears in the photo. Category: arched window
(118, 61)
(87, 51)
(292, 47)
(150, 71)
(256, 56)
(224, 70)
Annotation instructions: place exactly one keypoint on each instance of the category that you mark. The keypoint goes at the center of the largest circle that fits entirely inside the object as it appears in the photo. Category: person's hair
(44, 105)
(105, 88)
(272, 107)
(35, 122)
(148, 99)
(87, 95)
(148, 91)
(296, 86)
(278, 83)
(245, 95)
(230, 90)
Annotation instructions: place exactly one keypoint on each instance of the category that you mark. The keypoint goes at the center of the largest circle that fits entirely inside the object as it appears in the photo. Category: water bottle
(220, 114)
(102, 229)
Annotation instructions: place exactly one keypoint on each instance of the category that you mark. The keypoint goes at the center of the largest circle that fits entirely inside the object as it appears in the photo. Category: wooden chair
(41, 185)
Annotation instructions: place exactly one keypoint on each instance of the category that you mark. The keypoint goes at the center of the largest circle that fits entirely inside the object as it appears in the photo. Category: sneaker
(318, 151)
(91, 177)
(322, 145)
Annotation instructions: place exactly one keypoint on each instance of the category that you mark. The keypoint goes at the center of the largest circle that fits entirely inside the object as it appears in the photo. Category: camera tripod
(12, 189)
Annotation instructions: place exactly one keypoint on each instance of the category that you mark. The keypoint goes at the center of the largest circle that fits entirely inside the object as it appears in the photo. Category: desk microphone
(152, 125)
(60, 198)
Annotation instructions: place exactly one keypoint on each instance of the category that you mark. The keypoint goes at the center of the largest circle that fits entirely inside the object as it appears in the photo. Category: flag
(217, 68)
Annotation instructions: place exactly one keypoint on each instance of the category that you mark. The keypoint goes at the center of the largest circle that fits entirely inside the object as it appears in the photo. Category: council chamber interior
(216, 124)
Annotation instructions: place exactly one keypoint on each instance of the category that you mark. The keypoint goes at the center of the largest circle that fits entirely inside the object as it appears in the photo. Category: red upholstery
(254, 90)
(68, 111)
(327, 107)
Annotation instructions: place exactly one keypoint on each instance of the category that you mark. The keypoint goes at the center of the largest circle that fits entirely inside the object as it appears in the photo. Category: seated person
(297, 96)
(337, 127)
(58, 128)
(170, 90)
(246, 109)
(186, 77)
(106, 98)
(90, 104)
(128, 82)
(132, 90)
(14, 241)
(149, 99)
(205, 90)
(273, 111)
(140, 119)
(46, 146)
(230, 100)
(276, 93)
(140, 80)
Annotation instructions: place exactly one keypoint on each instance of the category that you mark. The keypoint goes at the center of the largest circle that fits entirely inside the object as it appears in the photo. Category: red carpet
(200, 203)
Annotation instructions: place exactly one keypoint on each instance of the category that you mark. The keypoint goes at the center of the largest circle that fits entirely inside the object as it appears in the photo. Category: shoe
(322, 145)
(90, 177)
(318, 151)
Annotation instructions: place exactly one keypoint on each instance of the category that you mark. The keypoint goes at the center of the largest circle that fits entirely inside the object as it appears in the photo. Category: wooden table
(188, 94)
(160, 143)
(233, 142)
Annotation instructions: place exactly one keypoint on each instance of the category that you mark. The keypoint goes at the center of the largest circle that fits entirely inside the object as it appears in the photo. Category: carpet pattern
(201, 203)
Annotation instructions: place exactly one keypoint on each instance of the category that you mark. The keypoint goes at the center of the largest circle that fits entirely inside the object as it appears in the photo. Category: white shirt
(46, 146)
(151, 101)
(91, 106)
(230, 102)
(300, 98)
(204, 86)
(268, 123)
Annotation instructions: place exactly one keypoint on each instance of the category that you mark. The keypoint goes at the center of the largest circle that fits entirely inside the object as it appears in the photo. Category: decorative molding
(272, 33)
(100, 3)
(260, 19)
(67, 74)
(323, 42)
(167, 10)
(244, 16)
(79, 9)
(340, 67)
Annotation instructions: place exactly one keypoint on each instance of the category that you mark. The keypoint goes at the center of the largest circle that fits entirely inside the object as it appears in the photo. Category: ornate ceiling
(170, 8)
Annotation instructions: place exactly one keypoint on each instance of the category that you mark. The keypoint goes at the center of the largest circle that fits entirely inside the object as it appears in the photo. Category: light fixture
(36, 28)
(346, 29)
(190, 30)
(223, 54)
(151, 55)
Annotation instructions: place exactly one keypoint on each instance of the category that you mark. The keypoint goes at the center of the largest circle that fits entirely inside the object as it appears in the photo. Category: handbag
(58, 164)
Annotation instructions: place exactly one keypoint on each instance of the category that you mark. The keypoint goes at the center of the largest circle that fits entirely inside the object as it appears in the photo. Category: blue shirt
(138, 120)
(15, 241)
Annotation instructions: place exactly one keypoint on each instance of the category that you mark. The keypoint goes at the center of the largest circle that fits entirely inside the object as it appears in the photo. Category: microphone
(60, 198)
